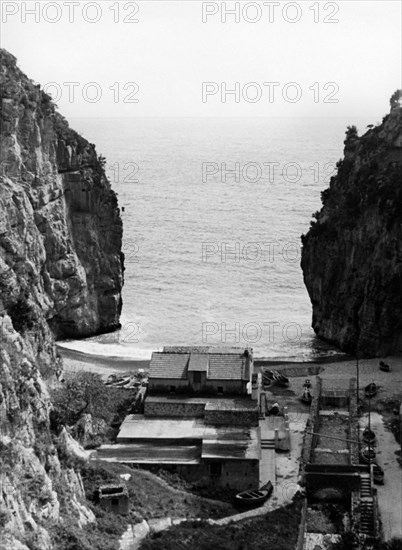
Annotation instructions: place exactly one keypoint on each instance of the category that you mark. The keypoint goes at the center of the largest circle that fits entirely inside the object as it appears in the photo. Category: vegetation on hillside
(277, 530)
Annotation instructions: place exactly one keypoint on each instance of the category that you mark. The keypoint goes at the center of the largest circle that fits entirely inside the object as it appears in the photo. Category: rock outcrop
(352, 254)
(61, 275)
(60, 228)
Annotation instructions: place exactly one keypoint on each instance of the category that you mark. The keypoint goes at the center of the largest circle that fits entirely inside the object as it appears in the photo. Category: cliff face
(60, 228)
(61, 274)
(352, 254)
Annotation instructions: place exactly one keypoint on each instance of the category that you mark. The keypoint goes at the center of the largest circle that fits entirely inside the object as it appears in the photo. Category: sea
(213, 211)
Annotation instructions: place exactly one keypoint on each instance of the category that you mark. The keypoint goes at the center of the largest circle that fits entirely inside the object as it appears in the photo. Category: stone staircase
(367, 516)
(268, 443)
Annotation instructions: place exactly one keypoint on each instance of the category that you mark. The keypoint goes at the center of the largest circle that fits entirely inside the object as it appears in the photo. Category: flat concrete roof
(158, 439)
(239, 449)
(149, 453)
(139, 427)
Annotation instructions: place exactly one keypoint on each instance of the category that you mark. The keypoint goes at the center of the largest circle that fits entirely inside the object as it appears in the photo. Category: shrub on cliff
(82, 392)
(22, 315)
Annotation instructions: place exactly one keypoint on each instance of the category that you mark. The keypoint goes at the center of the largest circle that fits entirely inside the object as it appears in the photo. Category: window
(197, 377)
(220, 389)
(172, 389)
(216, 469)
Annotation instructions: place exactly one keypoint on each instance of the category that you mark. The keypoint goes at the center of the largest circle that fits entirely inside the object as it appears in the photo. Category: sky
(192, 58)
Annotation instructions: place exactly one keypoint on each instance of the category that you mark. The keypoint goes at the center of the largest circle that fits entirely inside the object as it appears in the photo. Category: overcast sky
(347, 66)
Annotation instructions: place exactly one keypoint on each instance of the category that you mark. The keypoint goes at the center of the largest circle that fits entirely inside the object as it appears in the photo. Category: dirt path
(389, 494)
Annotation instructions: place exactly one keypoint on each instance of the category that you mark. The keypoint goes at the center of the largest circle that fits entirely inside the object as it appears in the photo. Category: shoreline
(75, 360)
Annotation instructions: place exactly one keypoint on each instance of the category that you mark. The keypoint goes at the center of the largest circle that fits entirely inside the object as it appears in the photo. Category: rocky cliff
(61, 275)
(352, 254)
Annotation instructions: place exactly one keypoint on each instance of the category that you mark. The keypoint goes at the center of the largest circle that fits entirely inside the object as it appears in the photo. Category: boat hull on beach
(251, 498)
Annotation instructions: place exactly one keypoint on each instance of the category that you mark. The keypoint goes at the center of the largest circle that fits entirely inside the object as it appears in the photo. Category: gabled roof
(169, 365)
(198, 362)
(175, 362)
(225, 367)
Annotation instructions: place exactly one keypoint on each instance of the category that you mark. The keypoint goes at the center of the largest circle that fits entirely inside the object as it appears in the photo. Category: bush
(82, 392)
(22, 315)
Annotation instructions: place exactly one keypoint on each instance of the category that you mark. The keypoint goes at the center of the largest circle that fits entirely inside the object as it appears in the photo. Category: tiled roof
(225, 367)
(198, 362)
(169, 365)
(218, 366)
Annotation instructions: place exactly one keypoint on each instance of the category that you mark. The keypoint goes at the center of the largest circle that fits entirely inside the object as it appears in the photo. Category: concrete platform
(138, 427)
(166, 439)
(149, 453)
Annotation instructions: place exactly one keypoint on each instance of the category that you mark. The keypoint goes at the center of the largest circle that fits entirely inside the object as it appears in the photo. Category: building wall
(208, 387)
(121, 508)
(236, 474)
(174, 410)
(231, 417)
(162, 385)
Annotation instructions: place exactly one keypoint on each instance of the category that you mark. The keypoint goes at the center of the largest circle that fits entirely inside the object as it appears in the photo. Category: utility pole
(357, 379)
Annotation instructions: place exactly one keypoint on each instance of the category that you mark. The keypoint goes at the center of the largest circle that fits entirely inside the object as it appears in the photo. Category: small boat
(384, 367)
(367, 455)
(368, 436)
(254, 497)
(378, 474)
(370, 390)
(306, 397)
(274, 376)
(281, 379)
(274, 410)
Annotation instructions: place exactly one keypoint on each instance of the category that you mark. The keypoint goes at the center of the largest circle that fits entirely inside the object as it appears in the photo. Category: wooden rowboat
(368, 436)
(248, 499)
(280, 379)
(384, 367)
(306, 397)
(275, 377)
(378, 474)
(370, 390)
(367, 455)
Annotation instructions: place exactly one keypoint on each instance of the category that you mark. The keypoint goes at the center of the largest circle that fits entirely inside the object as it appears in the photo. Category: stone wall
(211, 387)
(174, 410)
(231, 417)
(163, 385)
(312, 425)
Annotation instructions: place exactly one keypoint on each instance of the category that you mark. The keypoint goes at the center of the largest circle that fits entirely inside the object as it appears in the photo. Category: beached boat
(378, 474)
(384, 367)
(256, 497)
(370, 390)
(306, 397)
(367, 455)
(368, 436)
(275, 377)
(274, 409)
(280, 379)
